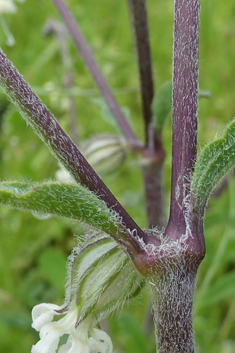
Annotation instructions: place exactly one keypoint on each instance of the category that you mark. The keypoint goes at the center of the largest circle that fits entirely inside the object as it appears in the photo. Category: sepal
(102, 278)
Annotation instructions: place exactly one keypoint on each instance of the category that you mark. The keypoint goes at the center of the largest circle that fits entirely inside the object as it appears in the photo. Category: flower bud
(105, 152)
(102, 278)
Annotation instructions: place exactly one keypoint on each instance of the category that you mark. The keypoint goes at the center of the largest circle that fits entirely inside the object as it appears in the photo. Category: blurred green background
(33, 252)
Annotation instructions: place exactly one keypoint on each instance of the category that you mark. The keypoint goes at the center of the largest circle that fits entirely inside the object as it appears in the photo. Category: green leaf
(215, 160)
(162, 105)
(61, 200)
(102, 278)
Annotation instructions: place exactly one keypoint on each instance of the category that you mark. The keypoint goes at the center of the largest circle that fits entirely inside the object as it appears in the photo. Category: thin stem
(154, 193)
(185, 109)
(46, 127)
(101, 82)
(138, 11)
(153, 171)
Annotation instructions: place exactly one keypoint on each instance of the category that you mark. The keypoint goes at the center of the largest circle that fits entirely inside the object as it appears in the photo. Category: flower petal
(100, 342)
(65, 347)
(66, 325)
(74, 346)
(47, 344)
(43, 314)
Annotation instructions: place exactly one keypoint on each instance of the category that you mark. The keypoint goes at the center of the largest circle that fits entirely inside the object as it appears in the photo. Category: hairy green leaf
(215, 160)
(59, 199)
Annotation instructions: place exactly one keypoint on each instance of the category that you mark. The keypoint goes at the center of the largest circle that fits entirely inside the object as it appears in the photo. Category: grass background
(33, 252)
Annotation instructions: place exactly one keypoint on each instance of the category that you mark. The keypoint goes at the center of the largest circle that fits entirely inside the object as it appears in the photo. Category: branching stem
(47, 128)
(101, 82)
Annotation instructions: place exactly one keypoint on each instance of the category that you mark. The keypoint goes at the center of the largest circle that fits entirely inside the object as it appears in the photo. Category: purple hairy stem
(92, 66)
(154, 192)
(47, 128)
(185, 110)
(183, 248)
(152, 172)
(172, 295)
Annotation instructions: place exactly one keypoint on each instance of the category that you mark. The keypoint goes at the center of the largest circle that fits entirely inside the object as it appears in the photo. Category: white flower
(83, 338)
(100, 342)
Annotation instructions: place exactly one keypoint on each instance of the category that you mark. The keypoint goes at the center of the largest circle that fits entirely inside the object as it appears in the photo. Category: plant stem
(172, 296)
(46, 127)
(138, 13)
(185, 109)
(183, 247)
(154, 194)
(153, 170)
(101, 82)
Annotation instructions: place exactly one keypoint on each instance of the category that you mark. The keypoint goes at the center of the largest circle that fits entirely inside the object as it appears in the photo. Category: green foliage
(214, 161)
(58, 199)
(162, 105)
(24, 157)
